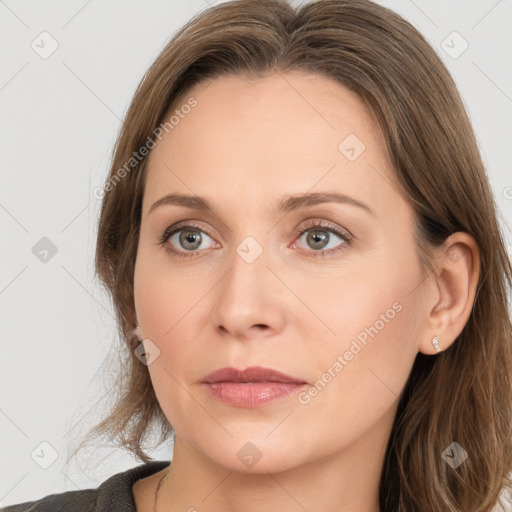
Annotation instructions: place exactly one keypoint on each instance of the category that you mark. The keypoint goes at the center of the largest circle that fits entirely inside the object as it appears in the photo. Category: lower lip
(252, 394)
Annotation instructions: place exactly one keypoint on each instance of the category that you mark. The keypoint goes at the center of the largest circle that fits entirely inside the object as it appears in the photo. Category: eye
(319, 237)
(188, 238)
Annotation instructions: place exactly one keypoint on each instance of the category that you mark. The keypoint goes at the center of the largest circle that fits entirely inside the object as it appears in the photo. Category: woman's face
(338, 307)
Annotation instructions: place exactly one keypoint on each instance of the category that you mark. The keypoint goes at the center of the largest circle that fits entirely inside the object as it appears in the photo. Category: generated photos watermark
(143, 151)
(356, 346)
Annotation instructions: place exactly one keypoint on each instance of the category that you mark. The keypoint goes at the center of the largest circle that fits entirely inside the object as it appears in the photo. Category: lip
(253, 387)
(250, 374)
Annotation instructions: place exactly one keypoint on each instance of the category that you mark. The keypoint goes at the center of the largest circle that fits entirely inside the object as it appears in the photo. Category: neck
(346, 481)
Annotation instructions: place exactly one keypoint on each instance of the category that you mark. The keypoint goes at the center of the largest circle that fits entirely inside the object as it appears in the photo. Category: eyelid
(179, 226)
(328, 226)
(182, 225)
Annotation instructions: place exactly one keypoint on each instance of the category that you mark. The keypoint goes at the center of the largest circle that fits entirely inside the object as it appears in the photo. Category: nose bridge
(246, 296)
(249, 269)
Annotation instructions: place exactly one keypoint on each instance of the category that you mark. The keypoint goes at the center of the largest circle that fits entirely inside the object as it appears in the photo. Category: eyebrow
(286, 204)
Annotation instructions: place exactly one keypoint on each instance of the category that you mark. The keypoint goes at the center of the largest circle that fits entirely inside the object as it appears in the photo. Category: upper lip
(250, 374)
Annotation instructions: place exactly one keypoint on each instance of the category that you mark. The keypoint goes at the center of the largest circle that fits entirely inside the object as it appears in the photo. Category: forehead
(319, 101)
(279, 133)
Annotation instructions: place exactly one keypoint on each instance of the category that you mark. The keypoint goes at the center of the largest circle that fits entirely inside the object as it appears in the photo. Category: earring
(435, 342)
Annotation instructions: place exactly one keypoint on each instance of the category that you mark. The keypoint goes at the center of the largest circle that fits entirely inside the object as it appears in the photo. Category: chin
(257, 455)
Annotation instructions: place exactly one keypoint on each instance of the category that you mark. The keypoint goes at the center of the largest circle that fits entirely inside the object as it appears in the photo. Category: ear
(452, 289)
(137, 332)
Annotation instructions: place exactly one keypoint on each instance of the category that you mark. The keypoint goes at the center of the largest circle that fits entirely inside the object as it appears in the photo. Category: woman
(303, 250)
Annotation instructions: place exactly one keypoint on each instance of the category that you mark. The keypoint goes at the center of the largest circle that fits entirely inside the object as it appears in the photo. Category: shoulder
(70, 500)
(113, 494)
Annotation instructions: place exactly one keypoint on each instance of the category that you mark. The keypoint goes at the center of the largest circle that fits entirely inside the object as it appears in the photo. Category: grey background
(60, 117)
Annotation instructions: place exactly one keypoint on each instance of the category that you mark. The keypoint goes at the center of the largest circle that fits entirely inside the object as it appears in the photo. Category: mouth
(253, 387)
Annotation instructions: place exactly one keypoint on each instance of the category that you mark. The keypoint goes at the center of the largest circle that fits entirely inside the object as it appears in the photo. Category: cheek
(162, 315)
(157, 303)
(374, 322)
(150, 301)
(168, 304)
(361, 372)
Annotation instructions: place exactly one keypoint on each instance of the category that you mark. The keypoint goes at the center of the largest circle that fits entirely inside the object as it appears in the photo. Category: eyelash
(315, 226)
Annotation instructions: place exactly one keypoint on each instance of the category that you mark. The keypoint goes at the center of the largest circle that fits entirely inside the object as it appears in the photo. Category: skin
(245, 146)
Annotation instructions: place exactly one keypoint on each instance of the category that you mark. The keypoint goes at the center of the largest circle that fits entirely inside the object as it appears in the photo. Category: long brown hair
(461, 395)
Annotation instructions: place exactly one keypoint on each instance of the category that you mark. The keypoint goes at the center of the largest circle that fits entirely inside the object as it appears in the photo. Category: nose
(250, 301)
